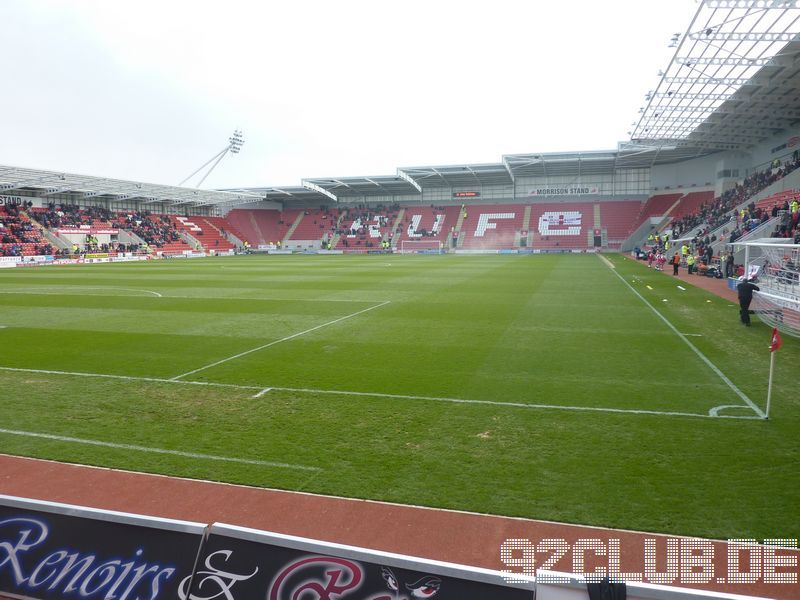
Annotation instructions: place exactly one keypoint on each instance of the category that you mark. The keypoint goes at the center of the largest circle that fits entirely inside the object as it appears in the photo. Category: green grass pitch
(538, 386)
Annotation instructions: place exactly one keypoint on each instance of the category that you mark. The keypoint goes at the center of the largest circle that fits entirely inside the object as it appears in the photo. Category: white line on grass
(262, 392)
(285, 339)
(131, 378)
(694, 348)
(264, 299)
(79, 292)
(185, 297)
(714, 412)
(261, 389)
(74, 440)
(609, 264)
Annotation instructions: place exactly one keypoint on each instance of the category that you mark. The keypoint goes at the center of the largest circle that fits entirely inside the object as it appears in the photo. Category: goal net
(777, 271)
(431, 246)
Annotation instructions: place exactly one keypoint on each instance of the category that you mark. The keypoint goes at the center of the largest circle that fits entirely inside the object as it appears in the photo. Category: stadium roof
(732, 81)
(459, 175)
(86, 187)
(281, 193)
(596, 162)
(378, 185)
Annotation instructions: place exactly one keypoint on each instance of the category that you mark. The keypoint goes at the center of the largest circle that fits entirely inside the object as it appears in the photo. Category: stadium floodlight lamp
(234, 146)
(236, 141)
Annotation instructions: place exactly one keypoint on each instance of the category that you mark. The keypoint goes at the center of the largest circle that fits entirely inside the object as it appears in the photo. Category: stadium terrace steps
(313, 224)
(618, 218)
(203, 232)
(223, 227)
(691, 203)
(658, 205)
(778, 198)
(257, 226)
(395, 237)
(294, 219)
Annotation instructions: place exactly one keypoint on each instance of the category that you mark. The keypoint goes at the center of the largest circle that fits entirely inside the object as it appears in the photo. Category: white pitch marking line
(370, 394)
(694, 348)
(74, 440)
(714, 412)
(262, 299)
(694, 334)
(262, 392)
(184, 297)
(285, 339)
(609, 264)
(490, 402)
(131, 378)
(78, 291)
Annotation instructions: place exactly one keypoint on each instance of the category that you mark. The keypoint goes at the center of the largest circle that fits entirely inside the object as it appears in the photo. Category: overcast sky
(151, 89)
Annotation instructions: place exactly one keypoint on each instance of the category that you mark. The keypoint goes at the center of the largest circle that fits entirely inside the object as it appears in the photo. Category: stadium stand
(209, 236)
(716, 213)
(222, 226)
(158, 231)
(779, 200)
(691, 203)
(496, 226)
(66, 216)
(657, 205)
(426, 223)
(313, 225)
(257, 226)
(617, 218)
(18, 235)
(362, 227)
(560, 225)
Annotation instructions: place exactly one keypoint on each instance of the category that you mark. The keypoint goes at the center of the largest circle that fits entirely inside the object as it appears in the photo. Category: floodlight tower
(234, 146)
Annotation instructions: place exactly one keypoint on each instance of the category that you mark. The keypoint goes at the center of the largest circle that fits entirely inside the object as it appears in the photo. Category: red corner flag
(776, 340)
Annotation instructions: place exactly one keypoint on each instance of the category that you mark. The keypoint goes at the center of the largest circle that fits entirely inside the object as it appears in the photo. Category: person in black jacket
(745, 291)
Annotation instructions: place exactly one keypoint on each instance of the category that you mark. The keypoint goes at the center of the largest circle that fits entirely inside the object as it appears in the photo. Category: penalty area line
(274, 342)
(696, 350)
(261, 391)
(136, 448)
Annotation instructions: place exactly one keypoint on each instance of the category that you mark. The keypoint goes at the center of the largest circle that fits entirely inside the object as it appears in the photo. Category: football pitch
(572, 388)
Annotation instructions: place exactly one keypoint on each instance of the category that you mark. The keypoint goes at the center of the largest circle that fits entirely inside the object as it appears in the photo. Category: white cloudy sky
(151, 89)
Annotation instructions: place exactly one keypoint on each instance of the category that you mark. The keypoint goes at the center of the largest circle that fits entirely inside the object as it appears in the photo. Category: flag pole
(769, 385)
(773, 346)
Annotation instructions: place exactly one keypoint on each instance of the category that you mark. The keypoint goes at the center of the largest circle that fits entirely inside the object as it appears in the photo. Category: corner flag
(776, 340)
(774, 345)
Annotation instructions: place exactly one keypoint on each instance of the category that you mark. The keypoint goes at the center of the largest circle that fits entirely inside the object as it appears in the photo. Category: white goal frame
(415, 246)
(777, 268)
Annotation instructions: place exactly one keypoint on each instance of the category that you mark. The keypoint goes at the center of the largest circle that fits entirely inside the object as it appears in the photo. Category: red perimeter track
(452, 536)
